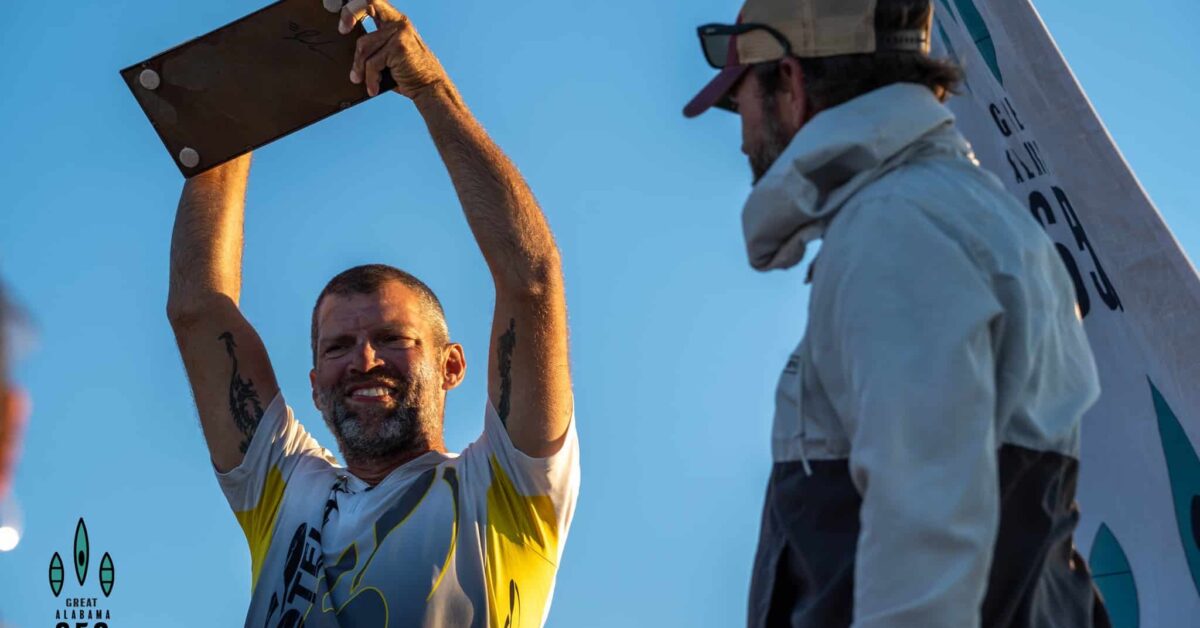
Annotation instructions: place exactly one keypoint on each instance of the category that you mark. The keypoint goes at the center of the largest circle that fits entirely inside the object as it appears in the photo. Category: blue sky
(676, 343)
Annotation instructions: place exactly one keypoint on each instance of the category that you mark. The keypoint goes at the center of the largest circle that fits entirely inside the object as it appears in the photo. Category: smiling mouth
(372, 394)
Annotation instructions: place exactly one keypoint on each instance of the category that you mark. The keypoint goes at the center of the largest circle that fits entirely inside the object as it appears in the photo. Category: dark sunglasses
(716, 39)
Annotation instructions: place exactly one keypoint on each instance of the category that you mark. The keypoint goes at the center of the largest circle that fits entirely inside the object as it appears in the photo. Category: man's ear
(793, 99)
(454, 366)
(312, 379)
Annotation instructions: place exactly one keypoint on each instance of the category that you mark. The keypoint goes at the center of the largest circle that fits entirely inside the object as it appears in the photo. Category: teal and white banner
(1139, 488)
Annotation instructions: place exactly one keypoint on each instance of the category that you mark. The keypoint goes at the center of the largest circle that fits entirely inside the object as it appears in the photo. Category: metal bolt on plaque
(189, 157)
(149, 79)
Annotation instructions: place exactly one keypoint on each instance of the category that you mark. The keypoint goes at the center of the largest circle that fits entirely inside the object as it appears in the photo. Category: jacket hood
(836, 154)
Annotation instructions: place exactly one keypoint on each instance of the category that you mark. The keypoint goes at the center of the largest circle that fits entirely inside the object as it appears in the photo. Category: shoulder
(937, 200)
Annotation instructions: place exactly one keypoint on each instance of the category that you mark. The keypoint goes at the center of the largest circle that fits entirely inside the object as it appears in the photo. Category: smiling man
(405, 534)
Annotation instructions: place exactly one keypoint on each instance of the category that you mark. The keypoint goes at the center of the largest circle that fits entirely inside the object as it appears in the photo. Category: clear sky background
(676, 342)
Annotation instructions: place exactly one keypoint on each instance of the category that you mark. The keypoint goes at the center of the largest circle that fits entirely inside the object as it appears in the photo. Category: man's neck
(373, 471)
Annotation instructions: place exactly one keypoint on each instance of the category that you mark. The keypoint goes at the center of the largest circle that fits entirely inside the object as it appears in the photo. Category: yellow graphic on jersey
(520, 553)
(258, 523)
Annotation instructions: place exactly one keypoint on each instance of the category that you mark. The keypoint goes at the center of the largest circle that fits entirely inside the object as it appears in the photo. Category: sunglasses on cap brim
(719, 43)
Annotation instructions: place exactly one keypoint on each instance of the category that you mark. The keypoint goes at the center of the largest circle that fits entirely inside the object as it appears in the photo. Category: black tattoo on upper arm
(244, 403)
(508, 340)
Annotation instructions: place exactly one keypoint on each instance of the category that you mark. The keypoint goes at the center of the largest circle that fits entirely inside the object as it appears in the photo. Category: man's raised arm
(529, 379)
(231, 376)
(528, 375)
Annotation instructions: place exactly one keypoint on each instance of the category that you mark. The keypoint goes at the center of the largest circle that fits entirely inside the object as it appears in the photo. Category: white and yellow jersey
(472, 539)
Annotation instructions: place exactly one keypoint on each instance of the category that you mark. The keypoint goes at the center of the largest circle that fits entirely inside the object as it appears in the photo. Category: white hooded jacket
(942, 333)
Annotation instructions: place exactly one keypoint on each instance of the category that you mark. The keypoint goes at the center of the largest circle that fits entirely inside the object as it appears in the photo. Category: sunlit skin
(359, 333)
(14, 408)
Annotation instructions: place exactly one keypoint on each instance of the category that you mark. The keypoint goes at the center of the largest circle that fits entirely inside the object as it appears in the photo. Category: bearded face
(381, 413)
(380, 371)
(773, 138)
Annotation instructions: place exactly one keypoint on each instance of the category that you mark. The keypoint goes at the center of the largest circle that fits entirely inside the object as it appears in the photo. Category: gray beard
(375, 435)
(775, 140)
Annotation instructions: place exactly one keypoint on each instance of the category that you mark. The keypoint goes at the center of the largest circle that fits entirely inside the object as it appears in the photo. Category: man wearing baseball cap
(926, 432)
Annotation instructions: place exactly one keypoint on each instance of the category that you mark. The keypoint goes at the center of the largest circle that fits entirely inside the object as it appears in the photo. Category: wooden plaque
(248, 83)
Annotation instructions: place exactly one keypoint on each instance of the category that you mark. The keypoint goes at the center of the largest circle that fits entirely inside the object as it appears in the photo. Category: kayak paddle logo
(80, 558)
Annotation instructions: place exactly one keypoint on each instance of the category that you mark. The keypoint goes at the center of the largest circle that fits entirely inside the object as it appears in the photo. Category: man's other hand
(394, 47)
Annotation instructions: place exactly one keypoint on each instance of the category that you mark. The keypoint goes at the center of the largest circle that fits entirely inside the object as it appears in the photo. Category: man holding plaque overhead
(926, 436)
(405, 534)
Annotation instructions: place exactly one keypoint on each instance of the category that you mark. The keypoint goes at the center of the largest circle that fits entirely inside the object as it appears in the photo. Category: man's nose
(365, 358)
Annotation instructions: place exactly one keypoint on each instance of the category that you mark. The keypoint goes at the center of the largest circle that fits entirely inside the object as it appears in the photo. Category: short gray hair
(368, 279)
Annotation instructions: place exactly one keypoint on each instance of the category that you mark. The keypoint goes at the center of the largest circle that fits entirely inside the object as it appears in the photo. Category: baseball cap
(808, 28)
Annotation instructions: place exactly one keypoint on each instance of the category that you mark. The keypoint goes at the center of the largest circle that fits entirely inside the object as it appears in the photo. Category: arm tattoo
(244, 404)
(508, 340)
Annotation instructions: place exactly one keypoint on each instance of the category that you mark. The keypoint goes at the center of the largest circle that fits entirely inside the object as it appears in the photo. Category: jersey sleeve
(516, 476)
(527, 505)
(255, 488)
